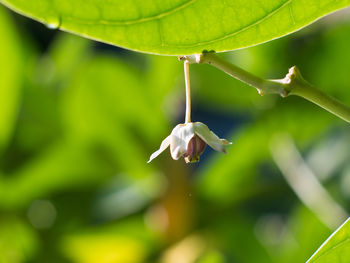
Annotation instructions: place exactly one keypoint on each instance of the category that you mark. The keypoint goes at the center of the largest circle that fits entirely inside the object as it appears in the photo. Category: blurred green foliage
(78, 122)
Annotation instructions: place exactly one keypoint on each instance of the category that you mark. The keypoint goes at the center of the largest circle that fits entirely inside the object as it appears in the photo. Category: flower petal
(165, 143)
(177, 152)
(180, 136)
(210, 138)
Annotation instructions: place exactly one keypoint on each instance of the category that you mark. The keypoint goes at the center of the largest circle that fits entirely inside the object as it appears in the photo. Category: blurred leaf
(236, 243)
(124, 242)
(59, 167)
(291, 239)
(308, 231)
(220, 91)
(211, 256)
(111, 86)
(336, 248)
(11, 77)
(18, 241)
(68, 52)
(124, 195)
(39, 123)
(178, 27)
(57, 66)
(233, 176)
(107, 104)
(332, 58)
(162, 76)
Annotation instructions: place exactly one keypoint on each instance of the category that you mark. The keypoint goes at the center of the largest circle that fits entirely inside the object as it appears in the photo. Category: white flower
(189, 141)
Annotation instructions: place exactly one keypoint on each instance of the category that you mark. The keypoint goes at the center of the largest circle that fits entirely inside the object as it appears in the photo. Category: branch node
(292, 78)
(294, 73)
(192, 59)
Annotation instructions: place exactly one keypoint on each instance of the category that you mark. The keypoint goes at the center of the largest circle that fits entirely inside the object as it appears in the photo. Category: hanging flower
(189, 141)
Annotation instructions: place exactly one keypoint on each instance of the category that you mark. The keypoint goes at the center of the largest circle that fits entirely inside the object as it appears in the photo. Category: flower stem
(188, 91)
(292, 84)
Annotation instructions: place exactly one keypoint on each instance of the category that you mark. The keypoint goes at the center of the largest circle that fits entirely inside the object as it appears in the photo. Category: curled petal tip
(165, 143)
(154, 155)
(225, 142)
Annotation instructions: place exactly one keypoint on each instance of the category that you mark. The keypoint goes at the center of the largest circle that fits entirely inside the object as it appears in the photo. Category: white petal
(180, 136)
(177, 152)
(209, 137)
(165, 143)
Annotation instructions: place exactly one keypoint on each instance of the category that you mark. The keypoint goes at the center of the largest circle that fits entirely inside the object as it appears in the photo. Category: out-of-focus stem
(304, 182)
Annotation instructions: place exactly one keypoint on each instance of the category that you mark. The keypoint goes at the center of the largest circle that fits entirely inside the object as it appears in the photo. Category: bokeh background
(79, 120)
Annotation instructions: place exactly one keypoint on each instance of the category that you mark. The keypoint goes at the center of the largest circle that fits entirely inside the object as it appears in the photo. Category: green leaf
(336, 248)
(10, 80)
(178, 26)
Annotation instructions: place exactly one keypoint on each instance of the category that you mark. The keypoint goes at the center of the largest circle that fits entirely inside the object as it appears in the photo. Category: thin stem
(188, 91)
(323, 100)
(292, 84)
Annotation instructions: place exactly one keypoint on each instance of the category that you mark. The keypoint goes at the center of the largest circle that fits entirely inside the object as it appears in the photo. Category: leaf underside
(177, 27)
(336, 248)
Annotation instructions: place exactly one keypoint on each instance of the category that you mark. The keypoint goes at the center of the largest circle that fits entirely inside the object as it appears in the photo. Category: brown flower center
(195, 148)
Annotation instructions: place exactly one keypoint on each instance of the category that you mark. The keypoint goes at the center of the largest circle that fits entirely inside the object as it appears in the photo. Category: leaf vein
(134, 21)
(257, 22)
